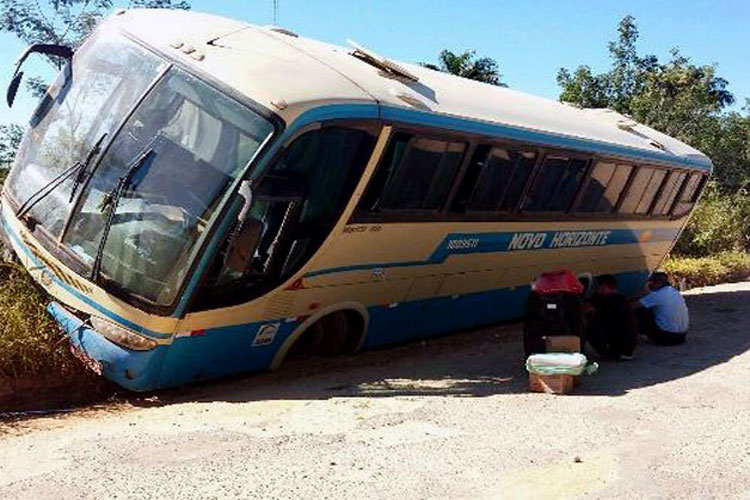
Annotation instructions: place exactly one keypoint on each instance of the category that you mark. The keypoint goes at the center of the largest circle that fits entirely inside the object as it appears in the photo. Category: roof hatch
(380, 62)
(282, 30)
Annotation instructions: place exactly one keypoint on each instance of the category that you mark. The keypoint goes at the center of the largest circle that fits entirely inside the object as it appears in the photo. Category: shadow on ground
(483, 363)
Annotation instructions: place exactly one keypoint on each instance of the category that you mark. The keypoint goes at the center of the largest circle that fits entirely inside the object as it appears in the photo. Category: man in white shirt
(663, 314)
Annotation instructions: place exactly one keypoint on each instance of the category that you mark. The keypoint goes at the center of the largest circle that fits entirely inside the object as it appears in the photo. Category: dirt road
(449, 418)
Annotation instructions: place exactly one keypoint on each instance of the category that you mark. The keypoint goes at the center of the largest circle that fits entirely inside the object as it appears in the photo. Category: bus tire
(337, 333)
(355, 334)
(335, 329)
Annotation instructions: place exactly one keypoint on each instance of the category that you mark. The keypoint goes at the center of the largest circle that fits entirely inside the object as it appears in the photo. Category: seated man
(662, 313)
(611, 325)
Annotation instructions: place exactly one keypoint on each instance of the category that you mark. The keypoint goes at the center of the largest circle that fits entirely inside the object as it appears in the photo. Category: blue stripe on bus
(83, 298)
(228, 350)
(501, 242)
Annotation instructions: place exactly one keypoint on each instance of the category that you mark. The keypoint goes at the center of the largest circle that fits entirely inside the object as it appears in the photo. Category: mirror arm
(62, 51)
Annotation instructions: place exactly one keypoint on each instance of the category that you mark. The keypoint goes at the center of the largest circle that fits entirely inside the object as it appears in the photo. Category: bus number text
(463, 244)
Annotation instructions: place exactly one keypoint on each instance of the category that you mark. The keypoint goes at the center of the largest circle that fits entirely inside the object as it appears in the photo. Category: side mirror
(10, 96)
(61, 51)
(243, 245)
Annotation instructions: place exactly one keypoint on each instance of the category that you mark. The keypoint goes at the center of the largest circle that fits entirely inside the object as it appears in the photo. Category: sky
(530, 39)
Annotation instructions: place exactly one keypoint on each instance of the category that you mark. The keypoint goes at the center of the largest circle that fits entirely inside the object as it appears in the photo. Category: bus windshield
(89, 99)
(177, 157)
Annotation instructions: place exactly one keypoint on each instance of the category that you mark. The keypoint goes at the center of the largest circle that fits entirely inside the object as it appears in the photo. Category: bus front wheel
(332, 335)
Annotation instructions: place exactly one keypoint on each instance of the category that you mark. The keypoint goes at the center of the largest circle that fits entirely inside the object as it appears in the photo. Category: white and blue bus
(204, 197)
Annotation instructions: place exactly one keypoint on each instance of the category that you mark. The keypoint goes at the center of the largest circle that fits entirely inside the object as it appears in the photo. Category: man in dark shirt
(611, 324)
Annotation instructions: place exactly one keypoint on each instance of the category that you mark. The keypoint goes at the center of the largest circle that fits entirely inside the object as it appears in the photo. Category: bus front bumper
(133, 370)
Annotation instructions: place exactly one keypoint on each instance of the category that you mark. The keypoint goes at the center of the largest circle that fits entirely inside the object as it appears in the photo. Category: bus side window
(642, 191)
(690, 194)
(604, 188)
(556, 184)
(494, 180)
(415, 174)
(669, 193)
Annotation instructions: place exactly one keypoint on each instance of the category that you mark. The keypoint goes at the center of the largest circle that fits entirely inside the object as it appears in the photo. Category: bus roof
(300, 75)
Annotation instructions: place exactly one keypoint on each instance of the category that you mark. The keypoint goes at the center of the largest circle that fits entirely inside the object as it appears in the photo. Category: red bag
(562, 281)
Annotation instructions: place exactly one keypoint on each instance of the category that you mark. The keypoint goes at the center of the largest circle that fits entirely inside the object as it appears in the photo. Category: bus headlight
(121, 336)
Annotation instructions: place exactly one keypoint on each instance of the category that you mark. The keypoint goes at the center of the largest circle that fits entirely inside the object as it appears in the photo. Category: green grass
(31, 344)
(724, 267)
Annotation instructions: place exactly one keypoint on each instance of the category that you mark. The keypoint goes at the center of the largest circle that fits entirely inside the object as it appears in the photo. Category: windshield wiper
(83, 172)
(45, 190)
(77, 168)
(110, 202)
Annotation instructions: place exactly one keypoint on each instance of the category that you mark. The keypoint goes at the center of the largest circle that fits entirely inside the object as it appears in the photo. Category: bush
(704, 271)
(30, 342)
(720, 223)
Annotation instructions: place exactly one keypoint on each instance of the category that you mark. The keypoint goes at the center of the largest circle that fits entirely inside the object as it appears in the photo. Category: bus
(202, 197)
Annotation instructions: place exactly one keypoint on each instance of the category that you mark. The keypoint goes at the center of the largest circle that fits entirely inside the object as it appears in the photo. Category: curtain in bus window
(558, 183)
(470, 176)
(549, 177)
(616, 186)
(422, 180)
(605, 188)
(372, 199)
(524, 166)
(493, 181)
(195, 130)
(689, 196)
(669, 193)
(636, 190)
(650, 192)
(501, 180)
(594, 192)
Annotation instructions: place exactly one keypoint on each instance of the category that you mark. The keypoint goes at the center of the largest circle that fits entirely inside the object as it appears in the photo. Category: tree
(10, 138)
(467, 65)
(583, 88)
(626, 65)
(679, 98)
(634, 83)
(63, 22)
